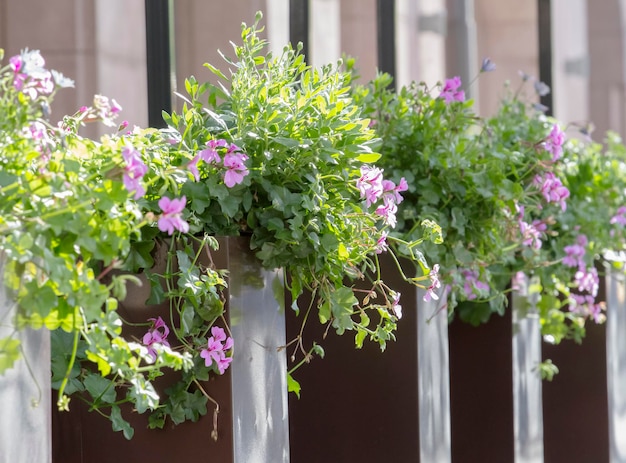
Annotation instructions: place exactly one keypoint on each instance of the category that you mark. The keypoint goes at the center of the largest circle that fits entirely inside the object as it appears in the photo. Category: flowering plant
(511, 195)
(278, 151)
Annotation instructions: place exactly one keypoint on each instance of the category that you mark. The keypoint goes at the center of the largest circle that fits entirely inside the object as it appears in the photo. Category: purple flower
(575, 252)
(619, 217)
(209, 154)
(193, 167)
(541, 88)
(134, 171)
(552, 189)
(16, 63)
(531, 233)
(472, 283)
(390, 188)
(487, 65)
(215, 353)
(170, 219)
(586, 305)
(451, 92)
(554, 142)
(587, 280)
(235, 168)
(388, 211)
(156, 335)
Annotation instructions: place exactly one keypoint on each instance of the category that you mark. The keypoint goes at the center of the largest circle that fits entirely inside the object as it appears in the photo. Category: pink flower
(471, 283)
(235, 168)
(170, 219)
(434, 284)
(531, 233)
(554, 142)
(587, 280)
(193, 167)
(209, 154)
(619, 217)
(156, 335)
(451, 92)
(552, 189)
(370, 184)
(395, 304)
(134, 171)
(575, 252)
(16, 63)
(215, 353)
(381, 243)
(388, 211)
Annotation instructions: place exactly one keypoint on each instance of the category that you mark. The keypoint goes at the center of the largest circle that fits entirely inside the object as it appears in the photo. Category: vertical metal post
(259, 369)
(616, 363)
(527, 389)
(159, 59)
(299, 24)
(433, 375)
(462, 47)
(386, 12)
(544, 17)
(25, 421)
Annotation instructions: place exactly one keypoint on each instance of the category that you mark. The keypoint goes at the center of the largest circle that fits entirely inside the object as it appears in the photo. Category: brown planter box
(358, 404)
(481, 394)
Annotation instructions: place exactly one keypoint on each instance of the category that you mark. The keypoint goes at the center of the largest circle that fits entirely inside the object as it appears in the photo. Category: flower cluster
(218, 346)
(373, 187)
(171, 218)
(554, 142)
(472, 286)
(552, 189)
(450, 91)
(157, 334)
(31, 77)
(134, 170)
(234, 161)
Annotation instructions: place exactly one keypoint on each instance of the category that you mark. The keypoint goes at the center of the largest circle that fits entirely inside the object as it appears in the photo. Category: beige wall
(63, 31)
(100, 44)
(507, 33)
(606, 81)
(202, 29)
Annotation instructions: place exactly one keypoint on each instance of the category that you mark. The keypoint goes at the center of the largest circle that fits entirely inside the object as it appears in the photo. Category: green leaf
(368, 157)
(101, 389)
(293, 385)
(9, 353)
(120, 424)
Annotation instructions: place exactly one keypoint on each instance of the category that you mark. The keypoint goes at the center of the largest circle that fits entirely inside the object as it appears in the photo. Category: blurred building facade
(102, 45)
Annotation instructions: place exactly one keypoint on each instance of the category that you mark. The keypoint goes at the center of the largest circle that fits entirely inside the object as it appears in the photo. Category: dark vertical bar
(386, 13)
(299, 24)
(545, 50)
(575, 402)
(158, 60)
(481, 390)
(369, 411)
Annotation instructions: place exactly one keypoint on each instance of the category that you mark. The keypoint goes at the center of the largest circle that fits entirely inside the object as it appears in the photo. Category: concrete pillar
(432, 26)
(325, 32)
(570, 65)
(25, 421)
